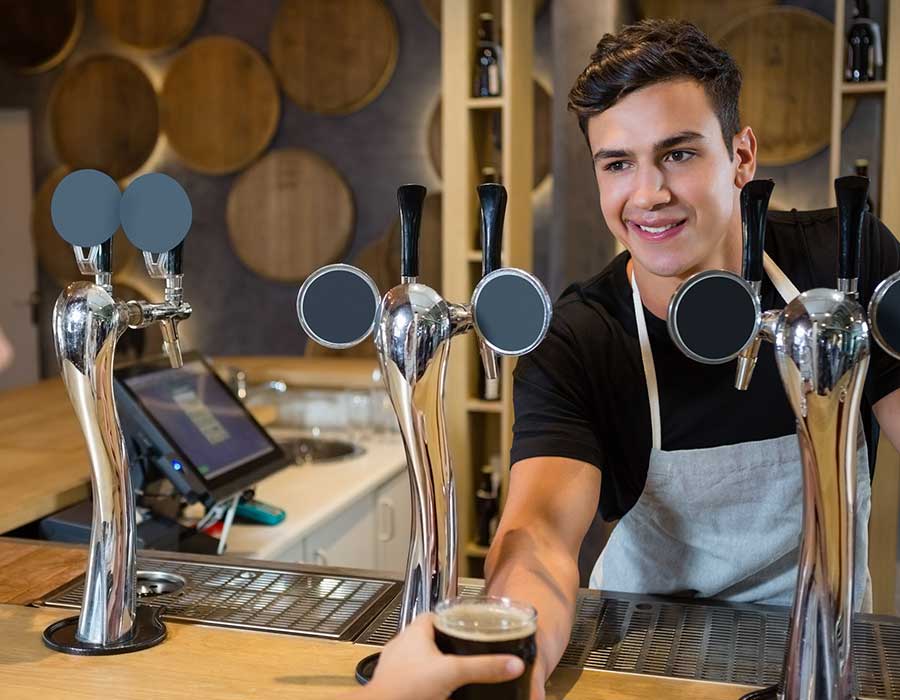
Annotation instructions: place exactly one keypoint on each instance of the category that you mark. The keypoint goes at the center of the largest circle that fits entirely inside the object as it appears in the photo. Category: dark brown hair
(654, 51)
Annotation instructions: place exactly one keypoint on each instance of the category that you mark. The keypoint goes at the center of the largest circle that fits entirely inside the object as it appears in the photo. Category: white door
(18, 273)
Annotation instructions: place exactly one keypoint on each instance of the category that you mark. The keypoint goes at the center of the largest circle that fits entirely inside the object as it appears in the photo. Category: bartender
(705, 480)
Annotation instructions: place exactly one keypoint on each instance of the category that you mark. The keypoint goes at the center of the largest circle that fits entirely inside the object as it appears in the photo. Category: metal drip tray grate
(699, 641)
(302, 603)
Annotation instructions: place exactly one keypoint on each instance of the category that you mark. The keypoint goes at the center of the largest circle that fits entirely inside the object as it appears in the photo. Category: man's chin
(668, 268)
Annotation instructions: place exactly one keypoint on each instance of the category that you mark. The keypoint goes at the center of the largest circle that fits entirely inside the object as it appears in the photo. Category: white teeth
(651, 229)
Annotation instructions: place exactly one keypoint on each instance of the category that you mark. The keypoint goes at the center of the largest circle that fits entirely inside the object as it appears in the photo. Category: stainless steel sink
(312, 449)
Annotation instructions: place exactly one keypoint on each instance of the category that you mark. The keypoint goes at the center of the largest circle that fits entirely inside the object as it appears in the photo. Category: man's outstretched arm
(534, 556)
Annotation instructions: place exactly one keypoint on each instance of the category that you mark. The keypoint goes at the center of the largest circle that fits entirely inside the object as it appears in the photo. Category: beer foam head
(485, 619)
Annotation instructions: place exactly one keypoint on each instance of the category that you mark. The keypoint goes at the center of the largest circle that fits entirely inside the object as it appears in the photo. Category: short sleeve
(554, 412)
(882, 260)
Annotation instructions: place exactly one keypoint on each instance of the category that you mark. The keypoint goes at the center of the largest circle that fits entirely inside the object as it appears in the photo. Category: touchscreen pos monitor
(188, 424)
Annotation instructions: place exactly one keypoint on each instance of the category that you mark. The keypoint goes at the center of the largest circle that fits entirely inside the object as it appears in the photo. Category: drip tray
(267, 599)
(720, 642)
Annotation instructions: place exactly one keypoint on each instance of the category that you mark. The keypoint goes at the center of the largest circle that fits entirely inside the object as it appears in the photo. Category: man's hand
(411, 667)
(537, 679)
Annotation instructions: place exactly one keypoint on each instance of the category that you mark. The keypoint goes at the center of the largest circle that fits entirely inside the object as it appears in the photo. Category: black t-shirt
(581, 394)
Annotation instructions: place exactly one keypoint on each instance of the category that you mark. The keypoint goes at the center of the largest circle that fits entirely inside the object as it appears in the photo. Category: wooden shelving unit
(479, 429)
(886, 487)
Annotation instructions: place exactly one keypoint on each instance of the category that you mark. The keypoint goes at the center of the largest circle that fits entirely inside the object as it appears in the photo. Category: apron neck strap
(785, 288)
(647, 359)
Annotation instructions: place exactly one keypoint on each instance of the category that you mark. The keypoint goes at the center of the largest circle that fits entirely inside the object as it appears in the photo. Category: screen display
(207, 424)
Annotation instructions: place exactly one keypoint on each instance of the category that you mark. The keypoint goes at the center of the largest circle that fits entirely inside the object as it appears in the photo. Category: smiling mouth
(656, 234)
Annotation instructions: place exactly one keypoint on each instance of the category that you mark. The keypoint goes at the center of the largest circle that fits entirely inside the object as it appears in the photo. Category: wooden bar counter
(200, 661)
(44, 463)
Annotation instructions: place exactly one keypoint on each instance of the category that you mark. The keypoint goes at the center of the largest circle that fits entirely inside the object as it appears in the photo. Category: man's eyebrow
(675, 140)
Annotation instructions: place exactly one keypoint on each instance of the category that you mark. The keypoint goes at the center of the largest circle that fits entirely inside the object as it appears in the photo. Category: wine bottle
(861, 168)
(864, 51)
(488, 59)
(487, 506)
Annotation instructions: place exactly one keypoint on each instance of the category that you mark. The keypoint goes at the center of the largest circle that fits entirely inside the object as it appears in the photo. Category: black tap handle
(104, 258)
(754, 206)
(175, 259)
(492, 197)
(410, 198)
(850, 193)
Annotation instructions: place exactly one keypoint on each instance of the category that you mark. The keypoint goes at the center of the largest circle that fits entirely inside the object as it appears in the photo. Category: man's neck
(656, 291)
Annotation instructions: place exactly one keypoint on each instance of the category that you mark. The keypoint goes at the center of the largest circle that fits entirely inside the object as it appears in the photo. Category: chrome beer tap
(339, 306)
(821, 343)
(87, 323)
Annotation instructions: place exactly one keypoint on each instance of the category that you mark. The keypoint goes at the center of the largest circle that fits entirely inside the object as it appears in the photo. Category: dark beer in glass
(488, 625)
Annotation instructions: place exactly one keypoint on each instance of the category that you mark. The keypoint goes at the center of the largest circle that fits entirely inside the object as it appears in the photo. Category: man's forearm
(523, 566)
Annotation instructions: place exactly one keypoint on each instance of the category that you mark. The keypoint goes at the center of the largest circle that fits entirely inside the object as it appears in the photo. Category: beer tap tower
(155, 213)
(510, 310)
(822, 346)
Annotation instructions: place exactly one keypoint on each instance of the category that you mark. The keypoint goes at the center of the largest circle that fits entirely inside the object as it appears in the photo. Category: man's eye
(615, 166)
(679, 156)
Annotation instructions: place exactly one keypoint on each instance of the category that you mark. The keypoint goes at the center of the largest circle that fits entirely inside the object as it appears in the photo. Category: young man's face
(668, 189)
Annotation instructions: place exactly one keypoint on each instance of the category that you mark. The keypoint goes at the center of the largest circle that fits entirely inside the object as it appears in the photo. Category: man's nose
(651, 189)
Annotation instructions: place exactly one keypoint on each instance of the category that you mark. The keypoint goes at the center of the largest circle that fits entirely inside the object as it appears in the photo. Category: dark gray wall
(375, 149)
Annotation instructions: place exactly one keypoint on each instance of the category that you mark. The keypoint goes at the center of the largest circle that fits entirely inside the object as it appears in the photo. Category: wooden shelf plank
(872, 87)
(476, 550)
(485, 102)
(474, 256)
(482, 406)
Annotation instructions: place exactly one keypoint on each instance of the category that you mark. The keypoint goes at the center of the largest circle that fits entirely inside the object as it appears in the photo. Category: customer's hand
(6, 351)
(411, 667)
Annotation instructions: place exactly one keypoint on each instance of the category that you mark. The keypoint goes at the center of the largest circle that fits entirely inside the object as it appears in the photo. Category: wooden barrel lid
(433, 9)
(54, 254)
(333, 56)
(149, 24)
(709, 16)
(785, 55)
(290, 214)
(381, 259)
(219, 104)
(543, 136)
(103, 115)
(37, 35)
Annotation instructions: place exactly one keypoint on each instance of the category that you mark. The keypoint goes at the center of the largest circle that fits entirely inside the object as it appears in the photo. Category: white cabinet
(347, 539)
(370, 533)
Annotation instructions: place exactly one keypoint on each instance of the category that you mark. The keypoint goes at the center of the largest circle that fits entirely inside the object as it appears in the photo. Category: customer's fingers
(486, 668)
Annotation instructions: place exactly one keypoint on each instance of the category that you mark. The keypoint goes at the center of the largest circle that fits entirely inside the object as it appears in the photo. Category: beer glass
(488, 625)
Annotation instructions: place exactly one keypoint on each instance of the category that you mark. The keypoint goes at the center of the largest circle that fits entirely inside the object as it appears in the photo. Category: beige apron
(721, 522)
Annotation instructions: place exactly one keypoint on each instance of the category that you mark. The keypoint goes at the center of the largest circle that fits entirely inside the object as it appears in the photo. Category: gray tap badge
(155, 212)
(713, 317)
(884, 315)
(85, 208)
(337, 305)
(512, 311)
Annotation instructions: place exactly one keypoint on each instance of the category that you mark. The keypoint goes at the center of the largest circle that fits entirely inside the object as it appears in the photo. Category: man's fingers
(487, 668)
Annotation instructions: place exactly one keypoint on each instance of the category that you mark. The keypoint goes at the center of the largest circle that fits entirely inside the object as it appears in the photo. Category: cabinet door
(347, 539)
(392, 517)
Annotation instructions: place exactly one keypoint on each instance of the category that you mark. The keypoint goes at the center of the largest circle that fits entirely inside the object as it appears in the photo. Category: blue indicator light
(176, 465)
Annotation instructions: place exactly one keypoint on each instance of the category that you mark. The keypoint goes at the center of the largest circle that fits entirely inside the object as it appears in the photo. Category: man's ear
(743, 146)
